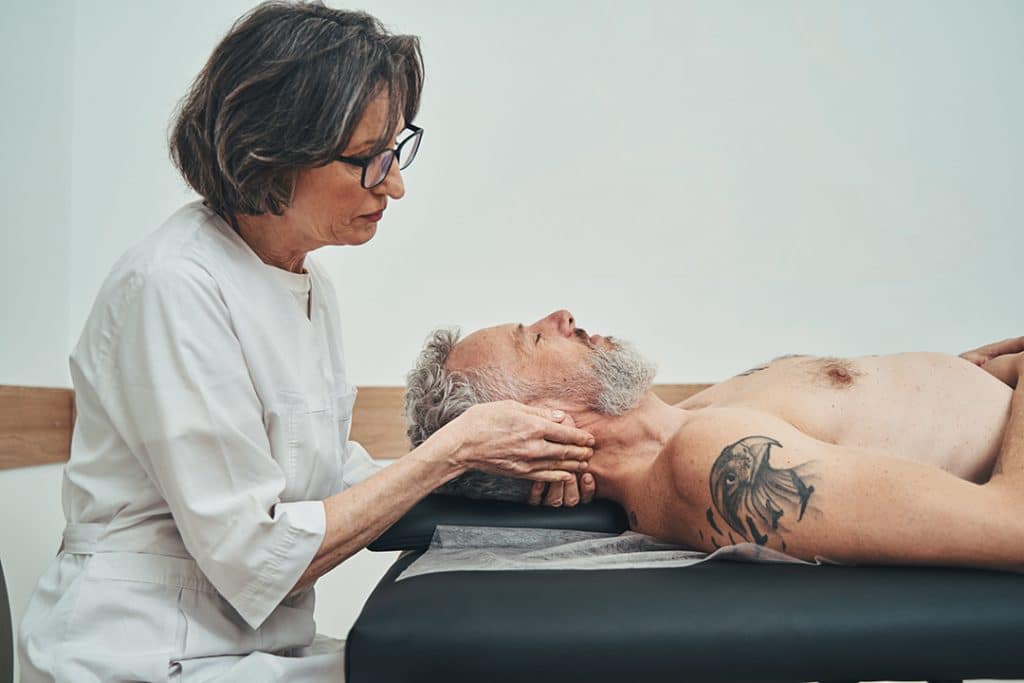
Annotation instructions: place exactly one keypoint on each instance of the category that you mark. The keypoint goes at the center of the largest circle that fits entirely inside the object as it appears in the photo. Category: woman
(211, 481)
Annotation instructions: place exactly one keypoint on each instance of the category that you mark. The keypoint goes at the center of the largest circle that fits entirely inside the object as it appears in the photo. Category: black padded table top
(717, 621)
(415, 529)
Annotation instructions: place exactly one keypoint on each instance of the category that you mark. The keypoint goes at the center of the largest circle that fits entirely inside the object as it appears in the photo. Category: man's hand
(1005, 368)
(984, 354)
(581, 489)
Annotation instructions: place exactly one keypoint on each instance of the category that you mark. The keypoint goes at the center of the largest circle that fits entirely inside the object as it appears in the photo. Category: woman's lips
(373, 217)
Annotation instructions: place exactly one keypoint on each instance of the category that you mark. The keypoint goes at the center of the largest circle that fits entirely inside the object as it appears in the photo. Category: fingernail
(557, 414)
(584, 465)
(590, 441)
(587, 478)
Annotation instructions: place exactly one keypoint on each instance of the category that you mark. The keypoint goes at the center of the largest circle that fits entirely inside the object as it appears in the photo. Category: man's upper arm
(756, 478)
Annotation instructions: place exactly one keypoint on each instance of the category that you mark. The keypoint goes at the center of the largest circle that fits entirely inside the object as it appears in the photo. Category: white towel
(471, 548)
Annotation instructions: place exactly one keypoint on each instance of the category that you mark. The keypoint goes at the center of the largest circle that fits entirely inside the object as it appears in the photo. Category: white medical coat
(213, 419)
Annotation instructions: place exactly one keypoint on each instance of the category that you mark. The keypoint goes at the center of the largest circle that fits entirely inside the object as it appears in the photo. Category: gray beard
(614, 381)
(622, 376)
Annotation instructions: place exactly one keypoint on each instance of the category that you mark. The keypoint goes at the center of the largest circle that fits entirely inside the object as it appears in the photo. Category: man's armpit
(753, 501)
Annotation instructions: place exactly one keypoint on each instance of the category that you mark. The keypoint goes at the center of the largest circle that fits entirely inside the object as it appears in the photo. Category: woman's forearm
(358, 515)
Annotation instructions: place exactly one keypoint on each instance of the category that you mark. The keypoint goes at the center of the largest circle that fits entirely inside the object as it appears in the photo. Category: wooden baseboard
(35, 423)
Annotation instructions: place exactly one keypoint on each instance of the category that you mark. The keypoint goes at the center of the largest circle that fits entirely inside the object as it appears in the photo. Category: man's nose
(560, 322)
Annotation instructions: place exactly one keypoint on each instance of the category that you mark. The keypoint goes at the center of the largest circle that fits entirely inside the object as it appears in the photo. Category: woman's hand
(984, 354)
(509, 439)
(580, 489)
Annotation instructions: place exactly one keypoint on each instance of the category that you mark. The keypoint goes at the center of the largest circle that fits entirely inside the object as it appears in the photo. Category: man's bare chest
(928, 407)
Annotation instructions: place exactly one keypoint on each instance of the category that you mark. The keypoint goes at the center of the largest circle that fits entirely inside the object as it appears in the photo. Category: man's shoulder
(708, 431)
(714, 423)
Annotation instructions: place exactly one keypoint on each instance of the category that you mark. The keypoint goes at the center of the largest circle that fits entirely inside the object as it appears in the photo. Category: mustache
(584, 338)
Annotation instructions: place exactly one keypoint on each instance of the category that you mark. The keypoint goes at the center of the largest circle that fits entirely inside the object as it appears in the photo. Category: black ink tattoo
(751, 371)
(759, 539)
(731, 539)
(632, 519)
(715, 543)
(711, 521)
(701, 534)
(749, 493)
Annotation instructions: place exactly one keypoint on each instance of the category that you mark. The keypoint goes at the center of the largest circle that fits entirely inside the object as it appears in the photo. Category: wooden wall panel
(377, 422)
(35, 423)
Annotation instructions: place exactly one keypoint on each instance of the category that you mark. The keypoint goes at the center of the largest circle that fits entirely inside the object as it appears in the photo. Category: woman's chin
(353, 238)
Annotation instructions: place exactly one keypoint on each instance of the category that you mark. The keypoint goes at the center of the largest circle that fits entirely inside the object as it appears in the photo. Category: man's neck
(626, 446)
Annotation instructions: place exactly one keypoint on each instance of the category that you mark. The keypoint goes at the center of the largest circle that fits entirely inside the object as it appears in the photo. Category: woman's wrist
(442, 452)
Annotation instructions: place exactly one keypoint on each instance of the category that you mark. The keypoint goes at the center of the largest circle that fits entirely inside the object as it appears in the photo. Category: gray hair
(283, 91)
(435, 396)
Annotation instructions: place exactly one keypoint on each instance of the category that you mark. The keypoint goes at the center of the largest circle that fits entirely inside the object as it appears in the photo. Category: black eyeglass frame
(396, 155)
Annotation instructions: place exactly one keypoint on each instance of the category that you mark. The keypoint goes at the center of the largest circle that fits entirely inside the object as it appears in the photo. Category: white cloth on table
(471, 548)
(213, 419)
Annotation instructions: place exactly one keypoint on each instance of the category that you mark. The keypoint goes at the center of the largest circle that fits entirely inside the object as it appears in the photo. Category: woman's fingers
(580, 489)
(546, 450)
(588, 487)
(564, 465)
(556, 493)
(536, 493)
(559, 433)
(559, 426)
(549, 476)
(571, 493)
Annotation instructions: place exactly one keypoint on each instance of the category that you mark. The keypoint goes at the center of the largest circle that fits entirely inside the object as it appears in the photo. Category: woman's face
(330, 206)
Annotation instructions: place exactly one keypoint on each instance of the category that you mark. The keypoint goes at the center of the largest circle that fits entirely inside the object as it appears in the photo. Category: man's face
(550, 350)
(556, 359)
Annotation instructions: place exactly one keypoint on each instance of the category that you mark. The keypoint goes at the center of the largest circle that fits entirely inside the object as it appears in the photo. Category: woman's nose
(393, 185)
(561, 322)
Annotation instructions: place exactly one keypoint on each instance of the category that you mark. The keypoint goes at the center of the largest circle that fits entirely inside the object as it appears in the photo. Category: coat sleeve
(184, 402)
(359, 465)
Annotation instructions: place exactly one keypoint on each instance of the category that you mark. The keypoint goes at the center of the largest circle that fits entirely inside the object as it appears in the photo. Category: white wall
(721, 182)
(35, 181)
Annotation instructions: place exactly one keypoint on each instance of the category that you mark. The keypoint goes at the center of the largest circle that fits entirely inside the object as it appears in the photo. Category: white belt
(166, 570)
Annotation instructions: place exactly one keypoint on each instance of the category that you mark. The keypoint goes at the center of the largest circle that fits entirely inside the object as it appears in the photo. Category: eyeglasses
(377, 167)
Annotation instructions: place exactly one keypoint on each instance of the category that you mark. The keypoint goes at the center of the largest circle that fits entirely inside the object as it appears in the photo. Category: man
(913, 458)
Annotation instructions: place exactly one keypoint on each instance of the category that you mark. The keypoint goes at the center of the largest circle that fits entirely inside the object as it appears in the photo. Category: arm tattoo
(749, 494)
(711, 521)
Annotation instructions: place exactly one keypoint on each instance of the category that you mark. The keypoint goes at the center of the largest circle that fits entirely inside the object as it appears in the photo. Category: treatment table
(715, 621)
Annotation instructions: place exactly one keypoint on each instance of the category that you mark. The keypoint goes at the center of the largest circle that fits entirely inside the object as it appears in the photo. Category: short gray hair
(434, 396)
(283, 91)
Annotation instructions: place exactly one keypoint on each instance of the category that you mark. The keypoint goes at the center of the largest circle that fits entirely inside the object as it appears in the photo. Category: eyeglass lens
(379, 166)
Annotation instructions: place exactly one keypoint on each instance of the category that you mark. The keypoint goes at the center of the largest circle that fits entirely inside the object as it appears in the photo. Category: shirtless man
(914, 458)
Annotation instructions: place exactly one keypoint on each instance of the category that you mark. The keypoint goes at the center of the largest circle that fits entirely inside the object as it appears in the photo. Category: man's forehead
(487, 346)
